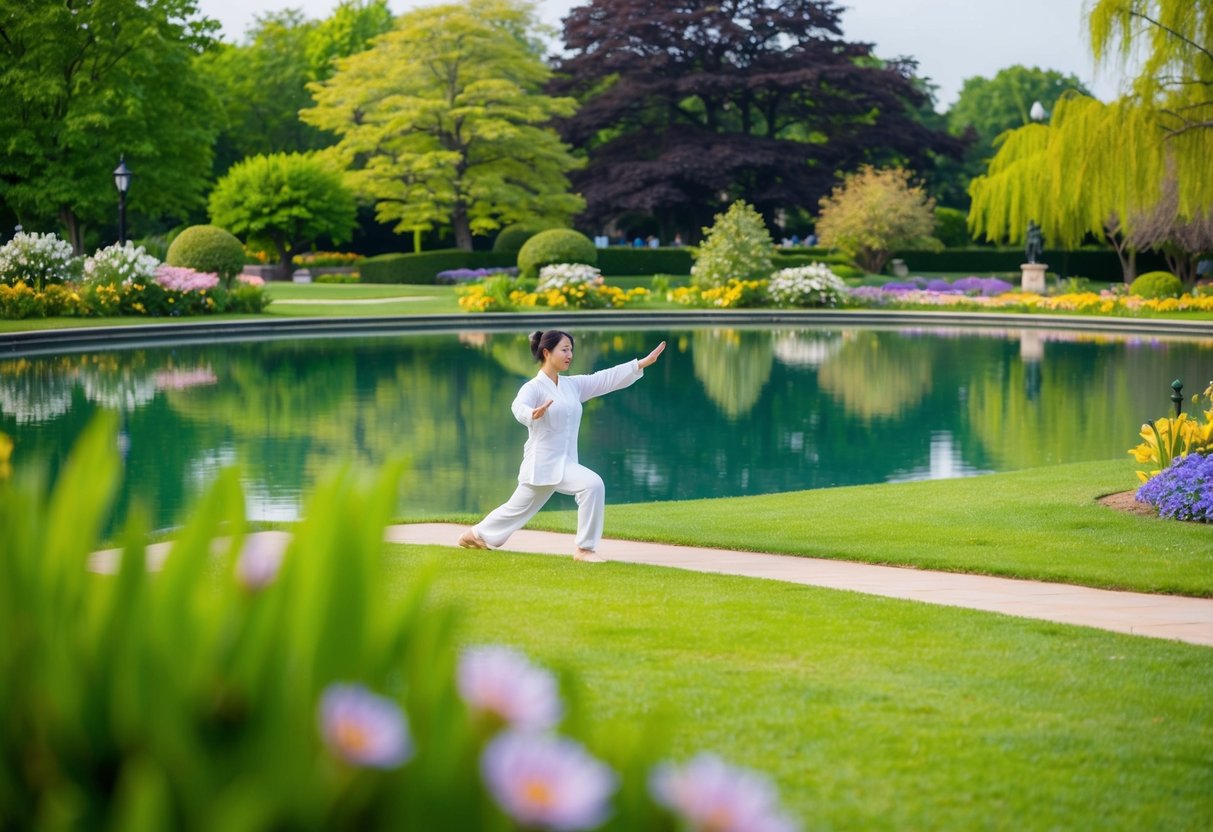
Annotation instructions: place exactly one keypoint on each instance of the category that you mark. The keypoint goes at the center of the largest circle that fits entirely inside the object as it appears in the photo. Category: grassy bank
(869, 713)
(1042, 523)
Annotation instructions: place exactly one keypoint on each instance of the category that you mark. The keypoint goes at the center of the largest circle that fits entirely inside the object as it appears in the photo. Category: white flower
(501, 683)
(35, 259)
(562, 275)
(813, 285)
(120, 264)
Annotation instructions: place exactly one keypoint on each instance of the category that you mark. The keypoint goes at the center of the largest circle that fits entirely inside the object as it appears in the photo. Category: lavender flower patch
(452, 276)
(986, 286)
(1183, 490)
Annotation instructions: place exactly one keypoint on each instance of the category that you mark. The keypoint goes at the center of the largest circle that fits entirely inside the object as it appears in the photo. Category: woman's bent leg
(513, 514)
(590, 492)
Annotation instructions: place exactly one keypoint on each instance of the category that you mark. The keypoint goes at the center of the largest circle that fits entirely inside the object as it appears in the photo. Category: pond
(725, 412)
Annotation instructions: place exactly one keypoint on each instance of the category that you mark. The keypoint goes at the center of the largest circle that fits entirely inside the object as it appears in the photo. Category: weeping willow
(1095, 160)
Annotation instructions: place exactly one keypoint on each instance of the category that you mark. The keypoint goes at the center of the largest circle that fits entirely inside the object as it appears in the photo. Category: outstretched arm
(651, 358)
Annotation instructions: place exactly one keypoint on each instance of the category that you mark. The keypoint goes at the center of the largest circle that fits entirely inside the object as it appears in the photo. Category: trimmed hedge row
(1094, 263)
(621, 261)
(423, 268)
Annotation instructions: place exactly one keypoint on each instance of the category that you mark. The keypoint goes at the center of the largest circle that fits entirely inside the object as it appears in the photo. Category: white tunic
(552, 440)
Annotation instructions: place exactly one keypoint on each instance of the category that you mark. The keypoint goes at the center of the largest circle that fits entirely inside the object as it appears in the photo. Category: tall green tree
(287, 200)
(1105, 168)
(443, 122)
(690, 105)
(991, 106)
(85, 83)
(347, 31)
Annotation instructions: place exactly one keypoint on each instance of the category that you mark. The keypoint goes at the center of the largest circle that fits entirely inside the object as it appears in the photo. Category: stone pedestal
(301, 276)
(1033, 277)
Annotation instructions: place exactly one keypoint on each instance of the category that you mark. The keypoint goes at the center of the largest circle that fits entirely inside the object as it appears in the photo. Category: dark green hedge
(793, 261)
(424, 267)
(621, 261)
(1094, 264)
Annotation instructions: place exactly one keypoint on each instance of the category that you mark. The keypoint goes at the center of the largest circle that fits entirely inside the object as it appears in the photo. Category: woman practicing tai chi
(549, 405)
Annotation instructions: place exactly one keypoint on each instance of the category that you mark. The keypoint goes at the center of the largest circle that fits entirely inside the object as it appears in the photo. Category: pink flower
(502, 684)
(547, 782)
(181, 279)
(709, 795)
(250, 280)
(363, 728)
(260, 559)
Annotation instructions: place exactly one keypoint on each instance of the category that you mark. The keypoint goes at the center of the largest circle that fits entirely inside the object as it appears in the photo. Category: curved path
(1159, 616)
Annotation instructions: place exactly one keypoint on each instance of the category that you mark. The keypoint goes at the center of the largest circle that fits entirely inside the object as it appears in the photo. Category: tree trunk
(463, 229)
(285, 266)
(1126, 254)
(75, 234)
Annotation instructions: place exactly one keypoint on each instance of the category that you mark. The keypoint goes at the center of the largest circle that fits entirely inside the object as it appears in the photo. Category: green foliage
(556, 245)
(335, 277)
(736, 247)
(510, 239)
(1157, 285)
(443, 122)
(349, 30)
(875, 212)
(845, 270)
(210, 249)
(85, 83)
(423, 267)
(285, 200)
(991, 106)
(951, 227)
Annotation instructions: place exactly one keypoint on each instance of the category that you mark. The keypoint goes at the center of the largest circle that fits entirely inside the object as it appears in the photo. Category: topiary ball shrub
(511, 238)
(1157, 285)
(208, 248)
(556, 245)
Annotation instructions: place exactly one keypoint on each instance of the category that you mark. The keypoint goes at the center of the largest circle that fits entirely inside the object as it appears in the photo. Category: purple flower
(363, 728)
(894, 287)
(502, 684)
(260, 558)
(547, 782)
(938, 285)
(988, 286)
(709, 795)
(1183, 490)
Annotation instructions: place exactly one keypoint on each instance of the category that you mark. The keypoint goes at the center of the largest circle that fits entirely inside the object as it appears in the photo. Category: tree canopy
(84, 84)
(442, 122)
(874, 213)
(287, 200)
(688, 106)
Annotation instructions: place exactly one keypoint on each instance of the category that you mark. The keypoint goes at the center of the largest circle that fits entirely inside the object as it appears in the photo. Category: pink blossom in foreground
(709, 795)
(363, 728)
(500, 683)
(547, 782)
(181, 279)
(260, 559)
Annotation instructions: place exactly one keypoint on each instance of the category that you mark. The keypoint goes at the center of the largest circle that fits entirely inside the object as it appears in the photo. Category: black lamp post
(122, 180)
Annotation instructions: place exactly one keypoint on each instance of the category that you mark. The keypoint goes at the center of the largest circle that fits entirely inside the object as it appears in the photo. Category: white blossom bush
(36, 260)
(813, 285)
(120, 264)
(565, 275)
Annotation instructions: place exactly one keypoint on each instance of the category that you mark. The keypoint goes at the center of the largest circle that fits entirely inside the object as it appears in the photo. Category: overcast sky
(951, 39)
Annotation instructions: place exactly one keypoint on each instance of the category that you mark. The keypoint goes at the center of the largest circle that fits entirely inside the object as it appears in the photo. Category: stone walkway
(1158, 616)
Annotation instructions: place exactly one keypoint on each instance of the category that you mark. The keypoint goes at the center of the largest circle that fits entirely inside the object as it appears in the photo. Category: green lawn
(1041, 523)
(869, 713)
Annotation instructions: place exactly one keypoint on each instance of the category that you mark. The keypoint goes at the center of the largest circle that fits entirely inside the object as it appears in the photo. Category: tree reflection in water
(726, 412)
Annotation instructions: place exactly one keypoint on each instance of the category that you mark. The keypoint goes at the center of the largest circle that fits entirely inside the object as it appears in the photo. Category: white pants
(579, 481)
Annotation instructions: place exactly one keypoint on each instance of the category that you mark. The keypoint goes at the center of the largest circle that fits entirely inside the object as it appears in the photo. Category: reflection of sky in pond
(725, 412)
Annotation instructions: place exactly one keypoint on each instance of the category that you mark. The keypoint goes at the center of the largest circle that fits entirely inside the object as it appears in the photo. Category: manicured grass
(868, 713)
(1041, 523)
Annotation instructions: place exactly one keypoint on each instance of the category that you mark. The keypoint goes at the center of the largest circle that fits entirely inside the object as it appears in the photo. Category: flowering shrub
(120, 264)
(36, 260)
(450, 276)
(235, 689)
(19, 301)
(737, 247)
(566, 275)
(1168, 439)
(733, 294)
(1183, 490)
(813, 285)
(325, 258)
(920, 293)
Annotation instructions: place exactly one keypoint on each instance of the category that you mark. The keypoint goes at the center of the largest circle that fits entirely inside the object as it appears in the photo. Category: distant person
(549, 405)
(653, 242)
(810, 240)
(677, 241)
(638, 243)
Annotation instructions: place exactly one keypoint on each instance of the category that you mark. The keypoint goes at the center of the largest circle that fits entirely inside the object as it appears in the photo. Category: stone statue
(1036, 242)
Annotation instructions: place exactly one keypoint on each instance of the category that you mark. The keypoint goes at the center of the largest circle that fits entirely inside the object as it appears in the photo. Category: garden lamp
(122, 181)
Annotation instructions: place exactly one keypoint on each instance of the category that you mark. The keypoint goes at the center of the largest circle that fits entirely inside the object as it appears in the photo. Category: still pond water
(725, 412)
